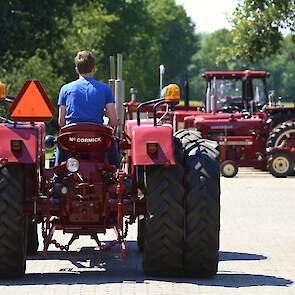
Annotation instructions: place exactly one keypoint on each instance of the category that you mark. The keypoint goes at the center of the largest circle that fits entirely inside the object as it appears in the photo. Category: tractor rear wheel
(280, 164)
(140, 233)
(33, 243)
(164, 223)
(282, 132)
(202, 205)
(13, 223)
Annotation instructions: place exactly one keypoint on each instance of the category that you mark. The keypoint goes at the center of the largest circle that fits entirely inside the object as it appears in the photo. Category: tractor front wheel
(280, 164)
(13, 223)
(229, 169)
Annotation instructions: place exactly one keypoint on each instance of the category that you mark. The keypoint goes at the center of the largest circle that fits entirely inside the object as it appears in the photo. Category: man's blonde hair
(85, 62)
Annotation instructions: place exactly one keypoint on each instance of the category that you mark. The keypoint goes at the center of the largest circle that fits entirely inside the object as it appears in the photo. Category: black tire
(280, 164)
(140, 233)
(281, 133)
(32, 234)
(202, 205)
(187, 136)
(164, 224)
(13, 222)
(229, 169)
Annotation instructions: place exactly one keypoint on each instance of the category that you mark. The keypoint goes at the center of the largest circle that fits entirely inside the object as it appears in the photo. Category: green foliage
(37, 67)
(208, 59)
(282, 69)
(39, 40)
(87, 29)
(257, 27)
(27, 25)
(214, 56)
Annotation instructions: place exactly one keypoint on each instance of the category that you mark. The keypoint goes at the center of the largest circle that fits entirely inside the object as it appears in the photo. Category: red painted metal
(32, 145)
(85, 138)
(232, 74)
(143, 134)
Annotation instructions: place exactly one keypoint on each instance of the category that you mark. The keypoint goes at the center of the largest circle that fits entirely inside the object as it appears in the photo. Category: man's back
(85, 100)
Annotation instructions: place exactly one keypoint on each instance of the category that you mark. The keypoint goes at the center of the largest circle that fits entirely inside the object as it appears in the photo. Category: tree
(146, 32)
(257, 27)
(282, 70)
(174, 36)
(27, 25)
(208, 58)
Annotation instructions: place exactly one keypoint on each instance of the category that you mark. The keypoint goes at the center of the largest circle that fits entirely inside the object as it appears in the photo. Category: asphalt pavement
(257, 252)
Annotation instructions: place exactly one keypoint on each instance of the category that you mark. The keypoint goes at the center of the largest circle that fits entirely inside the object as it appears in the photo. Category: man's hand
(112, 114)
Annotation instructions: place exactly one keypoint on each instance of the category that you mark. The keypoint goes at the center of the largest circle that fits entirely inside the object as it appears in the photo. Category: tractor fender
(161, 136)
(22, 143)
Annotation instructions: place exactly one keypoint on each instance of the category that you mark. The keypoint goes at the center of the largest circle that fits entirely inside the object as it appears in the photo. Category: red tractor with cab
(168, 182)
(238, 113)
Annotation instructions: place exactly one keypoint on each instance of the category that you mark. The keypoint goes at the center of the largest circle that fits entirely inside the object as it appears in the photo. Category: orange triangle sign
(32, 104)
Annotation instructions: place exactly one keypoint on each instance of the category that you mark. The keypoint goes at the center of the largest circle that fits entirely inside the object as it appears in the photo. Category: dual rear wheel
(181, 230)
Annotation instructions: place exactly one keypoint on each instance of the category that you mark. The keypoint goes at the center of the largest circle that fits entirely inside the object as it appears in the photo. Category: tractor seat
(85, 137)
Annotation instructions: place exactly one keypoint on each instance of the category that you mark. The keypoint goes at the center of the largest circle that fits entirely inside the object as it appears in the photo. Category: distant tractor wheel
(229, 169)
(33, 243)
(282, 132)
(280, 164)
(164, 223)
(202, 205)
(140, 233)
(281, 116)
(13, 223)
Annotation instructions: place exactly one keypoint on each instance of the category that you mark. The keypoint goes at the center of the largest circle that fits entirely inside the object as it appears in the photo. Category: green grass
(196, 103)
(49, 154)
(200, 103)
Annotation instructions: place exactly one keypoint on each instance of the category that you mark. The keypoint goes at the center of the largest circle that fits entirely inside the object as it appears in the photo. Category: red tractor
(251, 129)
(238, 113)
(168, 182)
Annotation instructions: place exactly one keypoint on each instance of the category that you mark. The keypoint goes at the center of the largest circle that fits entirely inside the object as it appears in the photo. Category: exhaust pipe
(162, 73)
(186, 93)
(112, 74)
(213, 97)
(120, 94)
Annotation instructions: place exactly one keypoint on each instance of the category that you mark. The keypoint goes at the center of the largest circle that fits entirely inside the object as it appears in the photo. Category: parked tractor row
(169, 182)
(252, 130)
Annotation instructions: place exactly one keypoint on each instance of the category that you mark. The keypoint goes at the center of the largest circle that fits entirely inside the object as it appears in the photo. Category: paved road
(257, 252)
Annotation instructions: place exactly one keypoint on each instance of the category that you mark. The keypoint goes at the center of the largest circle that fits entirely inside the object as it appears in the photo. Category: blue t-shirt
(85, 100)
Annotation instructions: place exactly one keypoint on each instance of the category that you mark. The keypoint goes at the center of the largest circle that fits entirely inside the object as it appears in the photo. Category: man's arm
(62, 116)
(112, 115)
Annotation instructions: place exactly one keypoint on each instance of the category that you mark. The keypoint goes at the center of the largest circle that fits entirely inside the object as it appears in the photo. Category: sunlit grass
(49, 154)
(286, 104)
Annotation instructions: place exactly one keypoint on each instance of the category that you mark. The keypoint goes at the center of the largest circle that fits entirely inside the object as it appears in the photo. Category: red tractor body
(86, 195)
(238, 113)
(21, 144)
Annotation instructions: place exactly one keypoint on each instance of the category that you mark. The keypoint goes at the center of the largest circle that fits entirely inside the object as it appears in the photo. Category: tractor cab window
(259, 92)
(228, 93)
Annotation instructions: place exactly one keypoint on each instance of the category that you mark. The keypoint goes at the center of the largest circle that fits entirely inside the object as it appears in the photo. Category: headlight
(72, 165)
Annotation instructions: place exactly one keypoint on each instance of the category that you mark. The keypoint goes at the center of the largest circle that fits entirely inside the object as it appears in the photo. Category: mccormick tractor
(167, 182)
(252, 131)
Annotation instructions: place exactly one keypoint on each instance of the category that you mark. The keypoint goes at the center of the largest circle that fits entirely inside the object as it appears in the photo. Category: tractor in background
(167, 182)
(252, 129)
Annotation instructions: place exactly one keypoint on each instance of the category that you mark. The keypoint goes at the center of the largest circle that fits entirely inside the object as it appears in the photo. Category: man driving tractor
(86, 100)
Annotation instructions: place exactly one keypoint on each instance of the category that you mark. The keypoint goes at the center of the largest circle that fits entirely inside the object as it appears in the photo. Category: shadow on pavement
(92, 267)
(231, 256)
